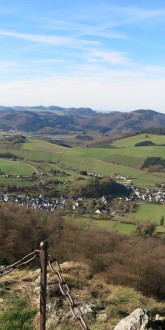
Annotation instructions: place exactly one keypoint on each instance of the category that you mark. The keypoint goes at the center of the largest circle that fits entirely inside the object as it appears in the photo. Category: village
(101, 205)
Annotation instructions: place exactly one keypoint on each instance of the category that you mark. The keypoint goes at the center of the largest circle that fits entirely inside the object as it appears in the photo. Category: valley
(37, 167)
(105, 193)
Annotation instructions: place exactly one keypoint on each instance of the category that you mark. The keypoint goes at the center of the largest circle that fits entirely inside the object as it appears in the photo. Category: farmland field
(41, 146)
(131, 141)
(15, 167)
(87, 222)
(149, 212)
(124, 159)
(107, 225)
(52, 165)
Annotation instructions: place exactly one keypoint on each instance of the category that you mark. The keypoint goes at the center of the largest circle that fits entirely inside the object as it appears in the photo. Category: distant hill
(53, 119)
(73, 111)
(79, 111)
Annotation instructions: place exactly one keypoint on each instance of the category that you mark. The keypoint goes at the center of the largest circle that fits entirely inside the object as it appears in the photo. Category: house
(98, 211)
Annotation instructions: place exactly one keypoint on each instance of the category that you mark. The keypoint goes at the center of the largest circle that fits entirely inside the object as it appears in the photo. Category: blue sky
(103, 54)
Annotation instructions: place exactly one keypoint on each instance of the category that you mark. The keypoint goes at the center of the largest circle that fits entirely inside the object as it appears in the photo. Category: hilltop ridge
(53, 119)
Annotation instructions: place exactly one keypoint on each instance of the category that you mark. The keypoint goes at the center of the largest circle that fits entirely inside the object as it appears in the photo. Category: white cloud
(81, 65)
(50, 39)
(112, 57)
(125, 15)
(139, 13)
(79, 29)
(53, 61)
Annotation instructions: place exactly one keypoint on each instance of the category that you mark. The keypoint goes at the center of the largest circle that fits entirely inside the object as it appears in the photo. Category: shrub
(18, 315)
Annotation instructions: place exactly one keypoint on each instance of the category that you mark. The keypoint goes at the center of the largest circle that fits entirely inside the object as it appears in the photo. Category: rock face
(139, 320)
(57, 314)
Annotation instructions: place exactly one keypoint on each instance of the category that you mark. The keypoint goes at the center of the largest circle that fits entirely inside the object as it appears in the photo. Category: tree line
(154, 164)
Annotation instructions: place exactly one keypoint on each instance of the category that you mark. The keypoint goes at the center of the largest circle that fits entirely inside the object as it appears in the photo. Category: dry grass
(117, 301)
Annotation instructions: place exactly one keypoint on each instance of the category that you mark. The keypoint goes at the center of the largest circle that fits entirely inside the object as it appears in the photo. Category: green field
(15, 167)
(124, 228)
(42, 158)
(160, 229)
(107, 225)
(149, 212)
(124, 159)
(131, 141)
(41, 146)
(146, 213)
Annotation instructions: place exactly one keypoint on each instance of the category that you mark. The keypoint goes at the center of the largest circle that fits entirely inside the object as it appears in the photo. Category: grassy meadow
(86, 222)
(11, 167)
(117, 157)
(124, 158)
(145, 213)
(149, 213)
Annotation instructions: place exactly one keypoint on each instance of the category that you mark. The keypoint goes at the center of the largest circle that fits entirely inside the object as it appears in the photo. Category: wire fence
(47, 260)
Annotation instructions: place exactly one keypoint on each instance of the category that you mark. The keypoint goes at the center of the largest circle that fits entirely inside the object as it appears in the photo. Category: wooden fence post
(43, 283)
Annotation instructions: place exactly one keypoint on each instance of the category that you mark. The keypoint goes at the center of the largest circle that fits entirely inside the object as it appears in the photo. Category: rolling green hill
(124, 159)
(39, 166)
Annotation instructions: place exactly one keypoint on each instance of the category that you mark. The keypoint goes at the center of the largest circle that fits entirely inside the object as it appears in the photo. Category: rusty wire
(65, 291)
(25, 260)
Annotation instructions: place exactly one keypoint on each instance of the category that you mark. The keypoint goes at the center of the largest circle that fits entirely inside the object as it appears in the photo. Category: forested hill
(54, 118)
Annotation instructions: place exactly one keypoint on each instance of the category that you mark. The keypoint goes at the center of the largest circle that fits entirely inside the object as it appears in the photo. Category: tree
(162, 220)
(145, 229)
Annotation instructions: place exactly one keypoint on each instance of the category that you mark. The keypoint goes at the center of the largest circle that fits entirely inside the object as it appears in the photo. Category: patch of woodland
(97, 187)
(154, 130)
(145, 144)
(9, 155)
(154, 164)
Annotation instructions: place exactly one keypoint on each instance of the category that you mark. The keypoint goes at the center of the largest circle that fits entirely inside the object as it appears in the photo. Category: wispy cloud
(104, 18)
(90, 51)
(90, 47)
(53, 61)
(125, 15)
(138, 13)
(111, 57)
(79, 30)
(50, 39)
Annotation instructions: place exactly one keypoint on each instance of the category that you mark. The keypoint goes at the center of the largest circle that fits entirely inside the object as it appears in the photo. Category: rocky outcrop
(57, 313)
(100, 304)
(139, 320)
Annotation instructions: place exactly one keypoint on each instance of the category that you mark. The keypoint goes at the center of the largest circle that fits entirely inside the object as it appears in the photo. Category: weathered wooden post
(43, 283)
